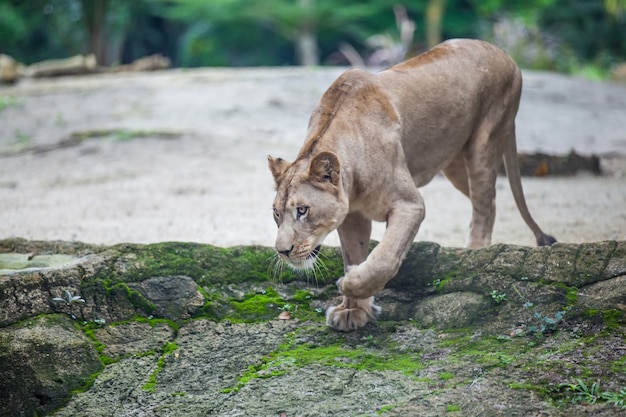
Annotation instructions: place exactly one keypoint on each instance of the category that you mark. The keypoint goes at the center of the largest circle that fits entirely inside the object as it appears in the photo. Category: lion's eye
(302, 211)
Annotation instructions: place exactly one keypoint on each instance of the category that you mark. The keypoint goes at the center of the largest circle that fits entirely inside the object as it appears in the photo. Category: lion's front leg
(383, 263)
(362, 281)
(352, 313)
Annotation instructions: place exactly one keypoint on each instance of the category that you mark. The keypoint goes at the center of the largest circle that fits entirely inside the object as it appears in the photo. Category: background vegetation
(562, 35)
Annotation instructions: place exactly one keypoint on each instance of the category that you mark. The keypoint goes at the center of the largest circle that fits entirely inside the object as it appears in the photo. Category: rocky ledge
(180, 329)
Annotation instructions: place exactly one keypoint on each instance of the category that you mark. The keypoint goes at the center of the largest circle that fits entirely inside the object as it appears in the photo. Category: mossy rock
(211, 340)
(42, 360)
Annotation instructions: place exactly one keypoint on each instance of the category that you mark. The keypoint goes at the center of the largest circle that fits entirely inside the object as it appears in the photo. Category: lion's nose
(285, 252)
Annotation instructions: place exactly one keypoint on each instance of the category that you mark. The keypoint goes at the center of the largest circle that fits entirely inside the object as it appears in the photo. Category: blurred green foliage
(584, 36)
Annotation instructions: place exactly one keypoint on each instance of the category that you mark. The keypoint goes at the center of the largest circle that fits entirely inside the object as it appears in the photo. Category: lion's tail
(511, 165)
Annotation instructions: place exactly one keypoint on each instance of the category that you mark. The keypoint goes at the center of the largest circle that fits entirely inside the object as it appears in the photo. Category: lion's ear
(325, 168)
(277, 166)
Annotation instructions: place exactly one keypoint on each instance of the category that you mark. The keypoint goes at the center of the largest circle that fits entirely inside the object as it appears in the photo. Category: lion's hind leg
(456, 173)
(477, 181)
(483, 156)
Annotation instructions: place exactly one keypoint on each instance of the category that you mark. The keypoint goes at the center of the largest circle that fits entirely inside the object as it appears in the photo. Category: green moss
(571, 293)
(302, 296)
(619, 366)
(339, 356)
(137, 299)
(612, 319)
(167, 349)
(291, 356)
(445, 376)
(440, 285)
(90, 328)
(87, 385)
(261, 306)
(211, 268)
(524, 386)
(452, 408)
(210, 265)
(150, 385)
(116, 291)
(386, 408)
(256, 307)
(89, 331)
(206, 264)
(488, 351)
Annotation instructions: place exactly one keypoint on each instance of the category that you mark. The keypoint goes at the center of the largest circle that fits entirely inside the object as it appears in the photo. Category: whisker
(323, 258)
(319, 268)
(276, 267)
(319, 271)
(313, 266)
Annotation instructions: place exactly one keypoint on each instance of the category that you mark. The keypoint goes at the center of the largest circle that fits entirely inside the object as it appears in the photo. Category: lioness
(373, 139)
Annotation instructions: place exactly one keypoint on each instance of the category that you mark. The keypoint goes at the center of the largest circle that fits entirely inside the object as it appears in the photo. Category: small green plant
(580, 392)
(69, 299)
(498, 297)
(546, 324)
(618, 399)
(287, 307)
(452, 408)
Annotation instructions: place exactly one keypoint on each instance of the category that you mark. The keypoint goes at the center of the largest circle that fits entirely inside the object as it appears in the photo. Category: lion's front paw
(352, 313)
(356, 284)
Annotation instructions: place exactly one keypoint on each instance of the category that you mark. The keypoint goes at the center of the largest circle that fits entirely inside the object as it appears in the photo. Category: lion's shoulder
(355, 95)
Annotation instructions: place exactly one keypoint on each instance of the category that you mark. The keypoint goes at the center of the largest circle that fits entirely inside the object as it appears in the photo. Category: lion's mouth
(306, 262)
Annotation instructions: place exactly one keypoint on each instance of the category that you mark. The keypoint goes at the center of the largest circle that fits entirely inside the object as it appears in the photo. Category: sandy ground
(210, 183)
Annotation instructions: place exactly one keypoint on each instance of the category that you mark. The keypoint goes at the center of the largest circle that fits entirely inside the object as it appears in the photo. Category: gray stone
(458, 309)
(41, 362)
(174, 297)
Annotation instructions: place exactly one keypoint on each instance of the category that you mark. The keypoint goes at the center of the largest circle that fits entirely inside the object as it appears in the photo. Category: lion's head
(309, 204)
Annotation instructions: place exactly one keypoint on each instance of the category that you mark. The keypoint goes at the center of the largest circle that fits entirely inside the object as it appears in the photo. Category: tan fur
(373, 139)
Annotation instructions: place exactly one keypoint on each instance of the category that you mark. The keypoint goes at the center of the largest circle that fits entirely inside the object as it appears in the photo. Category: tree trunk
(94, 18)
(307, 51)
(434, 17)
